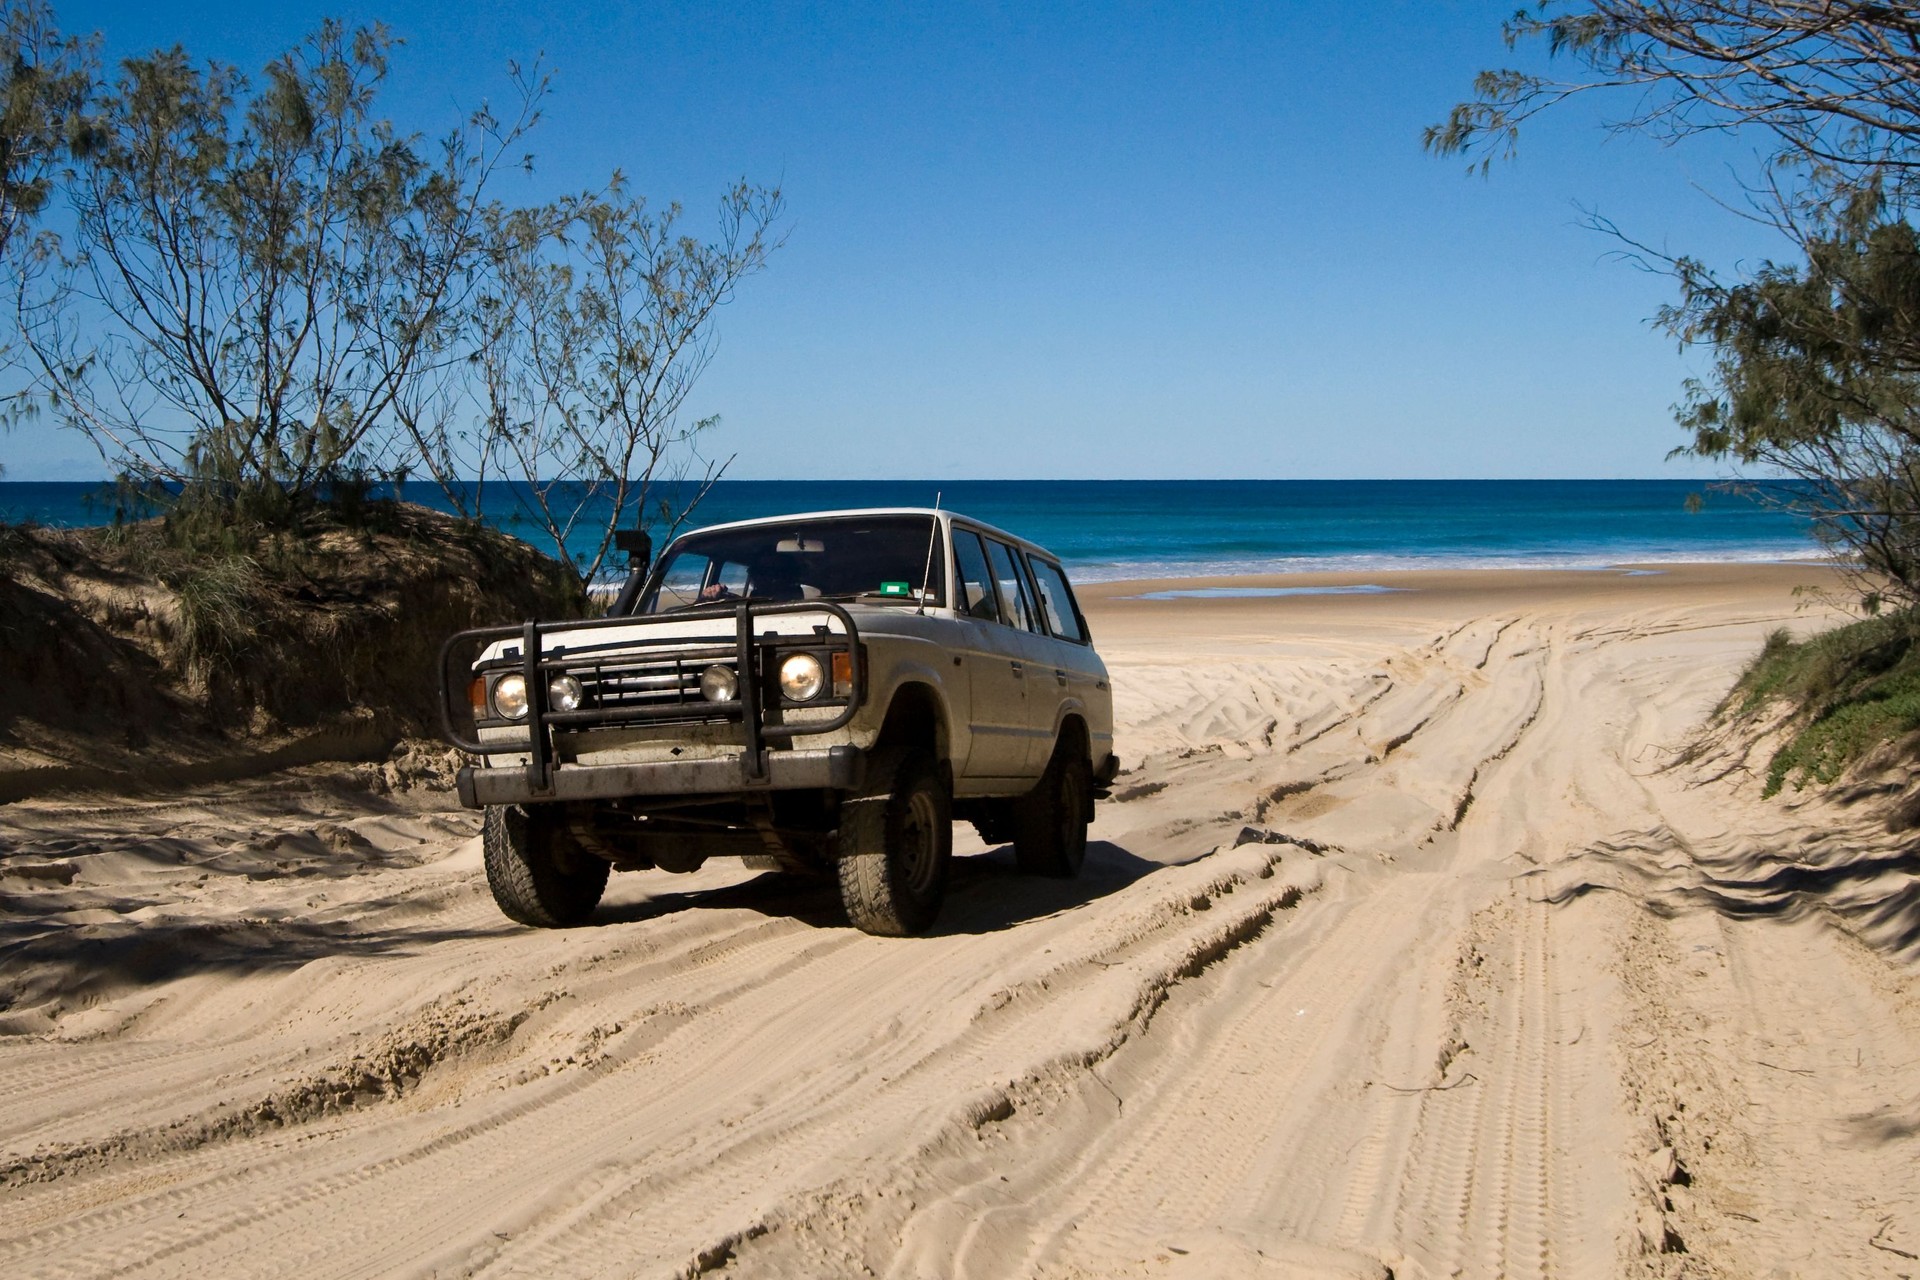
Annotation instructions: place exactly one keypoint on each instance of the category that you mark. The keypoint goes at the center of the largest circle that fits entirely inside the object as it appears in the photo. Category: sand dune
(1416, 940)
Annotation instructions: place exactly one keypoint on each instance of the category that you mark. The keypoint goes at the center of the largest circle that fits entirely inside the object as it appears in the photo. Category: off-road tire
(896, 841)
(1050, 822)
(540, 875)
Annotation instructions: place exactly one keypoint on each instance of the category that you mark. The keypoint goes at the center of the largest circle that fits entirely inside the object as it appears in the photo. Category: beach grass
(1851, 690)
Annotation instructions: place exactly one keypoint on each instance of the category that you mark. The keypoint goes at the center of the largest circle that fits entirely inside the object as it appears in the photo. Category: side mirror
(637, 544)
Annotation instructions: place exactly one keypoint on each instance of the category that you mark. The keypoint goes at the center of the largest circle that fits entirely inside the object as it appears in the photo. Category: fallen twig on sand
(1468, 1078)
(1877, 1243)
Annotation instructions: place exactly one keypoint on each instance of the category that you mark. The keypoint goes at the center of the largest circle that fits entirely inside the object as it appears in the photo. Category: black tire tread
(875, 899)
(523, 857)
(1039, 846)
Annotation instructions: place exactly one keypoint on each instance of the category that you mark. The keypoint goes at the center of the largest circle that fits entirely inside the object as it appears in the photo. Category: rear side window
(1056, 601)
(1016, 610)
(975, 595)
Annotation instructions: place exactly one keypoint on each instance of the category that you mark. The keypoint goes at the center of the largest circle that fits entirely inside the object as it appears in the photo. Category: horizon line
(429, 483)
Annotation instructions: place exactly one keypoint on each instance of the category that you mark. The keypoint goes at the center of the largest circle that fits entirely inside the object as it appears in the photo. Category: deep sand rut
(1417, 949)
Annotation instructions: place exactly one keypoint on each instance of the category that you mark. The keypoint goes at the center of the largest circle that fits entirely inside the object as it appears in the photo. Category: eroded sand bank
(1415, 939)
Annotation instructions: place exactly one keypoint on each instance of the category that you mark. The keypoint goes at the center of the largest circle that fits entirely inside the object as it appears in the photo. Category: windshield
(877, 558)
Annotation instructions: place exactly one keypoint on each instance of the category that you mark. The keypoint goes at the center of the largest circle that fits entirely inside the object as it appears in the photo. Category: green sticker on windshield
(895, 589)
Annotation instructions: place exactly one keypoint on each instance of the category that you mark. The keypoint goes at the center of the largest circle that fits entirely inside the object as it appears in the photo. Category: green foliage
(1817, 377)
(265, 268)
(1825, 88)
(45, 81)
(16, 540)
(1816, 365)
(270, 298)
(219, 601)
(1853, 689)
(590, 324)
(286, 298)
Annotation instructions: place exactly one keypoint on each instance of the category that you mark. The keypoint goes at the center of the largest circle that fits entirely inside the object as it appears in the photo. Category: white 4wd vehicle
(821, 692)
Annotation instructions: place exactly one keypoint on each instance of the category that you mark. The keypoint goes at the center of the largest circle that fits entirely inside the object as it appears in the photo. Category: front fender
(891, 674)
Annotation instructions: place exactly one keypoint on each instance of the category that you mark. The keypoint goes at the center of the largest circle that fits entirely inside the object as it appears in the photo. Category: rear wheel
(540, 875)
(1050, 822)
(896, 842)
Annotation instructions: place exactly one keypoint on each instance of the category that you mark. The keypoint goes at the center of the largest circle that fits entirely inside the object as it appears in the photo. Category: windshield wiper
(726, 599)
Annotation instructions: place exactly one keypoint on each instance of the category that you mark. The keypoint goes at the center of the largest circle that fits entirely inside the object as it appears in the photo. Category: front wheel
(896, 842)
(1050, 822)
(538, 872)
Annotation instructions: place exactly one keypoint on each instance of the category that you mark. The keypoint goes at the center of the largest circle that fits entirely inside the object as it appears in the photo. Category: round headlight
(564, 693)
(801, 677)
(510, 696)
(718, 684)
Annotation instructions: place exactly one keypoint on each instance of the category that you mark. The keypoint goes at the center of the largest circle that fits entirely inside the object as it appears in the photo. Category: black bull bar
(756, 706)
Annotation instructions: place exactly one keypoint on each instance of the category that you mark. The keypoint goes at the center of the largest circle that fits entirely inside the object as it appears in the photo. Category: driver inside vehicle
(776, 583)
(781, 582)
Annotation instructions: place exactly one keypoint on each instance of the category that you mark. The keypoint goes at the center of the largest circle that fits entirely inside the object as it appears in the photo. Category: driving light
(801, 677)
(718, 684)
(510, 696)
(564, 693)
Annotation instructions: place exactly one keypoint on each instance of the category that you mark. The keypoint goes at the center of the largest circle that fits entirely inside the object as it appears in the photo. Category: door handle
(1059, 675)
(1018, 669)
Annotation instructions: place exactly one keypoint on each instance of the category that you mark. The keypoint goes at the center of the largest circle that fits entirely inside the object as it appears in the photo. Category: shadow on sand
(78, 958)
(1872, 886)
(87, 962)
(986, 893)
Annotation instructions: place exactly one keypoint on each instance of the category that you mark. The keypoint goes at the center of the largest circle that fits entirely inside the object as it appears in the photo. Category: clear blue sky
(1049, 240)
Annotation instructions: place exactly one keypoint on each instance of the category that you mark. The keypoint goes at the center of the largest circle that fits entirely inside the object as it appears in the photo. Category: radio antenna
(933, 536)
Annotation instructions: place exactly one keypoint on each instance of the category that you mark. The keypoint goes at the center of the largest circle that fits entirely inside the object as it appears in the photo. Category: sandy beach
(1428, 934)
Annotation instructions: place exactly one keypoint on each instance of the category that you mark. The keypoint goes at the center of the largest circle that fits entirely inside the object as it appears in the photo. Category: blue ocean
(1123, 529)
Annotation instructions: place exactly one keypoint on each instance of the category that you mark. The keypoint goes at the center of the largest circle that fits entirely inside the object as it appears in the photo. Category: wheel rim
(919, 844)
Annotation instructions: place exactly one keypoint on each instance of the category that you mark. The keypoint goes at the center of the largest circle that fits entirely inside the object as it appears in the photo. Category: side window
(681, 582)
(731, 581)
(1015, 608)
(975, 582)
(1056, 601)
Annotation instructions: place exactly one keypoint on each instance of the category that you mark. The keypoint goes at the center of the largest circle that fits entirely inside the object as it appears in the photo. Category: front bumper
(840, 768)
(757, 709)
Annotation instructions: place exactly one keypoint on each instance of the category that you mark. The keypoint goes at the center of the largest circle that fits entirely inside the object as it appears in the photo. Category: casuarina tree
(1816, 361)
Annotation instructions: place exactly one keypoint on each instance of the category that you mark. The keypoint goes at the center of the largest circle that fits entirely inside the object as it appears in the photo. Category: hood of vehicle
(713, 628)
(718, 628)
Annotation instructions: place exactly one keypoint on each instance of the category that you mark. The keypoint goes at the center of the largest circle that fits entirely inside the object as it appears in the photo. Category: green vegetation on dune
(1852, 689)
(121, 646)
